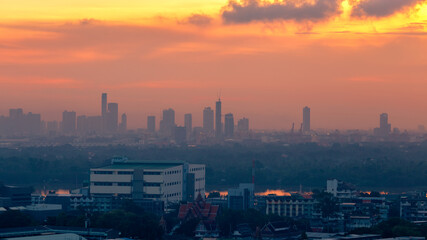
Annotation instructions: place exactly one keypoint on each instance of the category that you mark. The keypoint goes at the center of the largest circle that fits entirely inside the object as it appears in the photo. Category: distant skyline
(140, 118)
(348, 60)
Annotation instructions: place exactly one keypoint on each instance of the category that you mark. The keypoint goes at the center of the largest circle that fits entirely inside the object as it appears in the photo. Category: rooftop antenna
(219, 94)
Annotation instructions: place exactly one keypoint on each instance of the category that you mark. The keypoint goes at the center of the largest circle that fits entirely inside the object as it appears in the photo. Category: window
(124, 184)
(152, 195)
(124, 173)
(151, 184)
(152, 173)
(103, 172)
(103, 184)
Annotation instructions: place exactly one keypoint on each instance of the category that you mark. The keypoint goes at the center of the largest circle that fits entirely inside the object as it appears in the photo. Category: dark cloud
(256, 10)
(382, 8)
(88, 21)
(199, 20)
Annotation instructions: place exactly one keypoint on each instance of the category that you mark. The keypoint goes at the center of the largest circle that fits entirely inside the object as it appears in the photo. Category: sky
(348, 60)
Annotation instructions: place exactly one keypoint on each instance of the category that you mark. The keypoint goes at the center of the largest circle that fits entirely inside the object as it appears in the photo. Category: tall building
(188, 124)
(81, 124)
(32, 123)
(208, 119)
(167, 124)
(180, 135)
(385, 127)
(112, 117)
(124, 123)
(151, 124)
(16, 113)
(229, 125)
(52, 127)
(104, 105)
(68, 122)
(16, 121)
(218, 121)
(243, 125)
(89, 124)
(306, 120)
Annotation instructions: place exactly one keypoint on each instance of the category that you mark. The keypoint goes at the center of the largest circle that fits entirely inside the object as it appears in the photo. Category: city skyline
(179, 119)
(348, 63)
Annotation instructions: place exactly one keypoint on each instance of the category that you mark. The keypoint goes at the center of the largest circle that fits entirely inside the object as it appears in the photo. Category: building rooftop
(143, 164)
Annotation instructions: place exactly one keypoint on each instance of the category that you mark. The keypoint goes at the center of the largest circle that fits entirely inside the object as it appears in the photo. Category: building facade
(170, 182)
(289, 206)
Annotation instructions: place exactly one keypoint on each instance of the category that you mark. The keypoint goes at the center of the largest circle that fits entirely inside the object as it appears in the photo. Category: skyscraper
(104, 111)
(151, 124)
(306, 120)
(68, 122)
(124, 123)
(167, 124)
(81, 124)
(208, 119)
(385, 127)
(218, 121)
(112, 117)
(16, 121)
(104, 105)
(229, 125)
(188, 124)
(243, 125)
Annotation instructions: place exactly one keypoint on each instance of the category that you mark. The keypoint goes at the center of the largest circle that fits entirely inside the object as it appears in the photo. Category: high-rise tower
(167, 124)
(218, 121)
(188, 123)
(104, 105)
(208, 120)
(112, 117)
(68, 122)
(229, 125)
(151, 124)
(306, 120)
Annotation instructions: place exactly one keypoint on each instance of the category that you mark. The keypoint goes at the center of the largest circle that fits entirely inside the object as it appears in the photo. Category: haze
(348, 60)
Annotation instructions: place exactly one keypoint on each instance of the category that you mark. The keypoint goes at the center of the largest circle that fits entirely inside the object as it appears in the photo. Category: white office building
(340, 189)
(170, 182)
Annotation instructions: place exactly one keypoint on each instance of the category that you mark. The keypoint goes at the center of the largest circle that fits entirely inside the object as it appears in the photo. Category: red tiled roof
(199, 209)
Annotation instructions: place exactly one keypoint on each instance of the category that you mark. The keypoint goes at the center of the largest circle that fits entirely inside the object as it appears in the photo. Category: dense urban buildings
(215, 128)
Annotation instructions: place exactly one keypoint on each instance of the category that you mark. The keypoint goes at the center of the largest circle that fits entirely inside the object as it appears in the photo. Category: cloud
(88, 21)
(382, 8)
(256, 10)
(199, 20)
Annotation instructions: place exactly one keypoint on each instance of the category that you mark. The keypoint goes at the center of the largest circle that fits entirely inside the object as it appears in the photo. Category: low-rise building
(414, 207)
(11, 196)
(290, 206)
(340, 189)
(170, 182)
(241, 198)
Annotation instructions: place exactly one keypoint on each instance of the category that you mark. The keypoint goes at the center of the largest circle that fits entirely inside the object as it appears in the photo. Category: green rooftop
(142, 164)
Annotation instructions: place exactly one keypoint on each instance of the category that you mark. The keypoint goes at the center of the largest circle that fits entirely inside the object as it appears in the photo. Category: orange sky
(349, 60)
